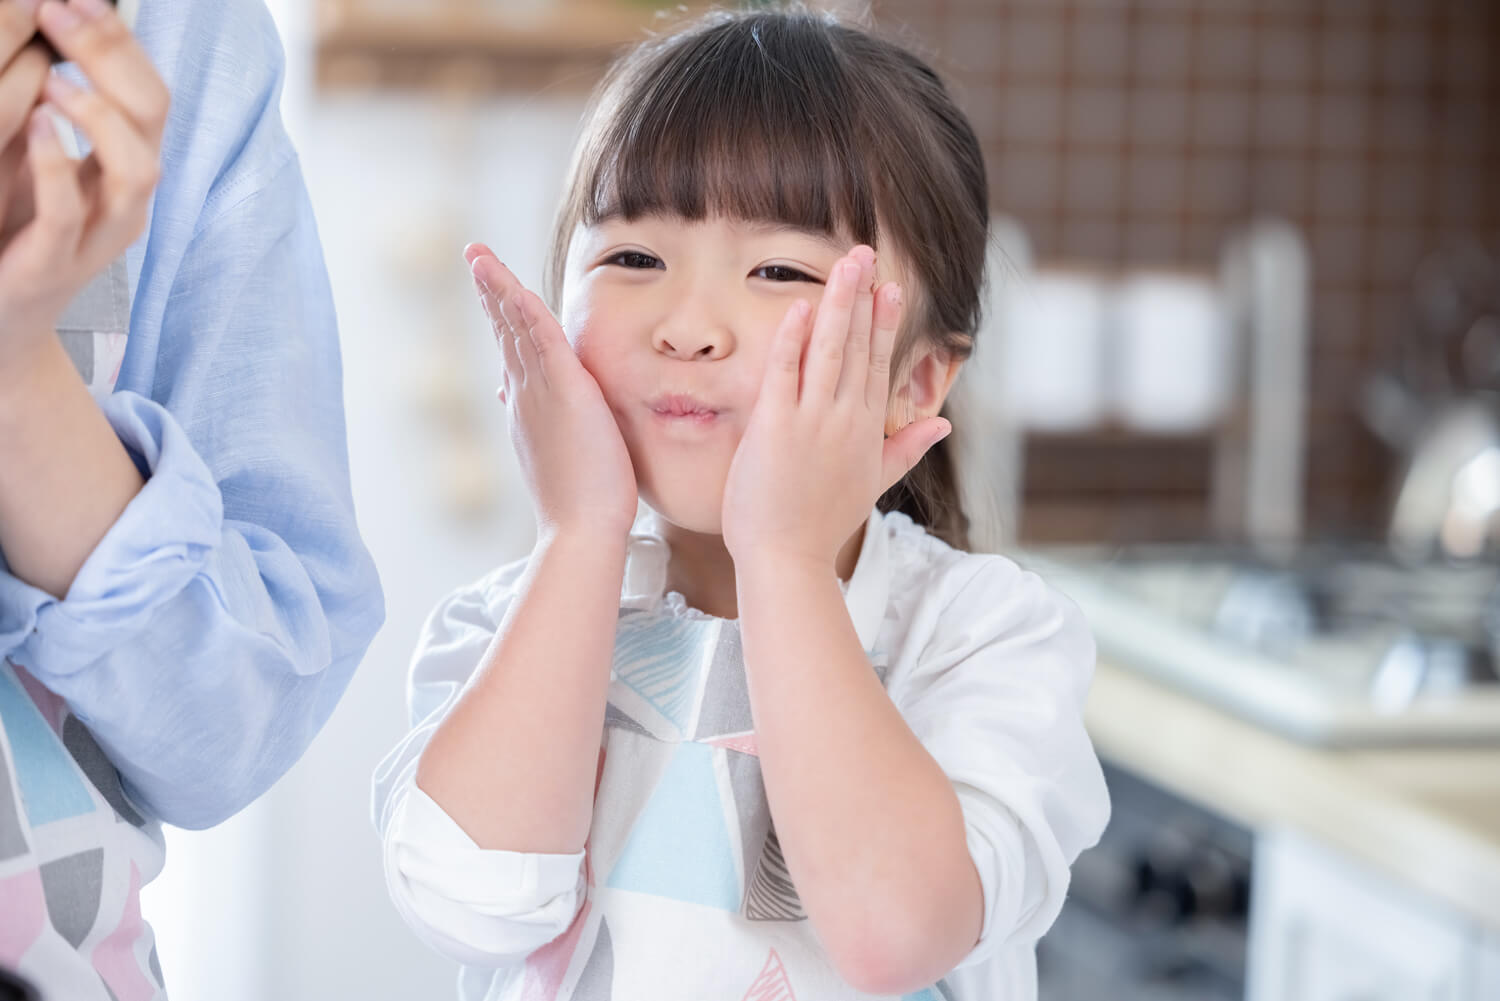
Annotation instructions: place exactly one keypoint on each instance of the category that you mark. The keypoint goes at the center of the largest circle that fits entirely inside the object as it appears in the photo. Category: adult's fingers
(126, 166)
(15, 188)
(91, 34)
(54, 230)
(20, 85)
(17, 26)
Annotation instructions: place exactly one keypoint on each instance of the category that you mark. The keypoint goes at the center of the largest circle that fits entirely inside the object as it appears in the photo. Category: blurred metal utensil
(1449, 498)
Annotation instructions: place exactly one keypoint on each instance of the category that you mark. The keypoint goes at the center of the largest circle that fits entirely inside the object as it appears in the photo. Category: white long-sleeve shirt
(681, 893)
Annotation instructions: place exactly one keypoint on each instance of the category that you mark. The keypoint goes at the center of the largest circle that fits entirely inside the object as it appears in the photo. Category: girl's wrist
(590, 538)
(780, 564)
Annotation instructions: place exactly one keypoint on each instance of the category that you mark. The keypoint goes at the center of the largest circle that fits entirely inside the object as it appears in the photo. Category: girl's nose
(702, 342)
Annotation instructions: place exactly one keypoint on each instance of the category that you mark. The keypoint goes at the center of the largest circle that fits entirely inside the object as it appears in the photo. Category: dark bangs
(790, 118)
(748, 117)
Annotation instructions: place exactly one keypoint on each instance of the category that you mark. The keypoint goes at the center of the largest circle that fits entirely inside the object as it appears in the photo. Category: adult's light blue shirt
(212, 631)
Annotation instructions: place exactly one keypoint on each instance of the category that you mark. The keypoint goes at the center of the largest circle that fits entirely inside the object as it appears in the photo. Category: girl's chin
(698, 513)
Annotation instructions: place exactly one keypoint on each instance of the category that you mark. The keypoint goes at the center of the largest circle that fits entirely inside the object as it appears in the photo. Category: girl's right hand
(566, 438)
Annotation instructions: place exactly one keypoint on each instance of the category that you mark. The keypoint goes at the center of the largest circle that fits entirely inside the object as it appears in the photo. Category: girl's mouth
(679, 408)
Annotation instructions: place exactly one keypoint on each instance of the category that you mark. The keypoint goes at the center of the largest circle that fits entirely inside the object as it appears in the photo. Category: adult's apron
(74, 851)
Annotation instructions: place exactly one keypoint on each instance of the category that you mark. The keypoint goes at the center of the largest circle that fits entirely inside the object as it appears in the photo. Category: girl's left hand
(814, 459)
(83, 213)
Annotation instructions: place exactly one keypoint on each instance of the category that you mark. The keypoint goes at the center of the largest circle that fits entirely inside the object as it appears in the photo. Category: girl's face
(673, 319)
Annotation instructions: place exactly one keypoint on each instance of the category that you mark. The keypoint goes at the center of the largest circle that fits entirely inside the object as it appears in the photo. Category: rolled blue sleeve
(212, 631)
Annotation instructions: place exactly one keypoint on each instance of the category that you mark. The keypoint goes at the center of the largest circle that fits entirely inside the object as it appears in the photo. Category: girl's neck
(702, 571)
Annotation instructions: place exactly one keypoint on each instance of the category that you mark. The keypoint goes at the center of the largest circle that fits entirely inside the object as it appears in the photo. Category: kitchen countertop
(1427, 817)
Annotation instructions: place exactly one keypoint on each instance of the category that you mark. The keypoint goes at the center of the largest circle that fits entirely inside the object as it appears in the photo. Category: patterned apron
(74, 852)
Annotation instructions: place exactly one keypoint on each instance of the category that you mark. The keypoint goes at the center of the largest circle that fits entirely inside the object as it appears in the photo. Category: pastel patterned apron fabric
(682, 843)
(74, 851)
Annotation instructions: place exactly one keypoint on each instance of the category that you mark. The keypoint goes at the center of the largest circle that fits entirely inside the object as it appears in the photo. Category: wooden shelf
(480, 45)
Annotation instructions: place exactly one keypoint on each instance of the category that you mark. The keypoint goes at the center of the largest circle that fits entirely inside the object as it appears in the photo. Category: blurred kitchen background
(1238, 394)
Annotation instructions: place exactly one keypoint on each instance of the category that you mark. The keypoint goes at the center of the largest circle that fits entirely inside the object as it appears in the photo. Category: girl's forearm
(869, 824)
(514, 763)
(65, 478)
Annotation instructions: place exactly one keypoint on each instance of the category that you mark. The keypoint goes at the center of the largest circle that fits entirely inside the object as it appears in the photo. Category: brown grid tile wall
(1144, 131)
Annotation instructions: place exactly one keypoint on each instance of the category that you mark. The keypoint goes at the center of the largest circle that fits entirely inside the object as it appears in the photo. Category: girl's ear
(923, 391)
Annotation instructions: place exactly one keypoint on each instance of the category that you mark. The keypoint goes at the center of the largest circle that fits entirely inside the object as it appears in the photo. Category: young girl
(769, 739)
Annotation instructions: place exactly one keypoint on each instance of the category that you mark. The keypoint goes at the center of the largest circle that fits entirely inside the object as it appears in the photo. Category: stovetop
(1335, 645)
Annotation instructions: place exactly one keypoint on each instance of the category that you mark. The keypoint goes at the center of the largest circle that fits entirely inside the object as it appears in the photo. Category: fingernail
(59, 88)
(90, 9)
(850, 271)
(60, 17)
(41, 124)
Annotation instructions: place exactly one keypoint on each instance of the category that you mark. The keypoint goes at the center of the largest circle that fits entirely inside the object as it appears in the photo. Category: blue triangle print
(679, 847)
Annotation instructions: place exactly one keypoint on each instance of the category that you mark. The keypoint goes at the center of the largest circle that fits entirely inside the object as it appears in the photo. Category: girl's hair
(793, 118)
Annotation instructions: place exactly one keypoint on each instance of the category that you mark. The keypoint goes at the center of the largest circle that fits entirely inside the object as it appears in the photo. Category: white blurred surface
(287, 900)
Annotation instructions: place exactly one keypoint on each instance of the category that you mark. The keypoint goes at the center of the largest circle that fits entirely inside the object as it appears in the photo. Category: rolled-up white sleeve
(480, 907)
(995, 694)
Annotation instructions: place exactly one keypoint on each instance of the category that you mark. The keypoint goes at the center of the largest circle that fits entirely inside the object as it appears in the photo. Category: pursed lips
(681, 407)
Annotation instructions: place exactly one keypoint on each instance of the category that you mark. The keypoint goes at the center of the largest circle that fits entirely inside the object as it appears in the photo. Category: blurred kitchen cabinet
(1168, 409)
(475, 46)
(1324, 928)
(480, 45)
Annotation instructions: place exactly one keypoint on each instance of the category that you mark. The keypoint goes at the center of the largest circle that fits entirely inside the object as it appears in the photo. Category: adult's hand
(85, 213)
(24, 71)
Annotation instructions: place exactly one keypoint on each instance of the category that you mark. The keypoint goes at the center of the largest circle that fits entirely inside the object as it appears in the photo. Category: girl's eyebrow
(826, 239)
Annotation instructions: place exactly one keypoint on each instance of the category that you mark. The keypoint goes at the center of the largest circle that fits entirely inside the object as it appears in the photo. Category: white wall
(287, 900)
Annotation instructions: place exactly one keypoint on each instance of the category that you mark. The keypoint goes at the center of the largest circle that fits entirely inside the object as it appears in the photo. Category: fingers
(20, 82)
(825, 353)
(904, 449)
(15, 187)
(521, 321)
(494, 284)
(91, 34)
(475, 251)
(553, 352)
(126, 164)
(59, 218)
(520, 332)
(17, 26)
(784, 360)
(853, 379)
(885, 323)
(515, 373)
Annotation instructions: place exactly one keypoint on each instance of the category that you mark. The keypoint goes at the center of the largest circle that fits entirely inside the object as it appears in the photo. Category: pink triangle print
(742, 742)
(546, 967)
(772, 984)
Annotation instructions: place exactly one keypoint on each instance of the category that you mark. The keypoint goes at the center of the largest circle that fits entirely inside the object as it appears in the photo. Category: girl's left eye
(782, 273)
(635, 260)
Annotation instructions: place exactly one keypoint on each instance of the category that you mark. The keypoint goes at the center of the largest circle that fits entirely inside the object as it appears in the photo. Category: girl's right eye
(636, 260)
